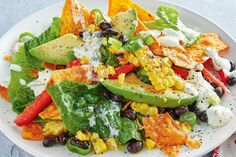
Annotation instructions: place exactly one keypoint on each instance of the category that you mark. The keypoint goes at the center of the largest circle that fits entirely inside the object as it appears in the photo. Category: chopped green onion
(70, 55)
(135, 45)
(115, 43)
(149, 40)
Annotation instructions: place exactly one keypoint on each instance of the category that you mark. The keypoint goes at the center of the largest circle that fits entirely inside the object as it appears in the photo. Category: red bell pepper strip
(122, 69)
(33, 109)
(74, 63)
(224, 78)
(213, 79)
(181, 72)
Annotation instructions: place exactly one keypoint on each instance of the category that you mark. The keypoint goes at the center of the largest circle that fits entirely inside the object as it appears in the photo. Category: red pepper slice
(122, 69)
(74, 63)
(33, 109)
(213, 79)
(224, 78)
(181, 72)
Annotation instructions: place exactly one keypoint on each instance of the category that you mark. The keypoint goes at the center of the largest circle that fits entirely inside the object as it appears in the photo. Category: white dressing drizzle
(38, 85)
(15, 67)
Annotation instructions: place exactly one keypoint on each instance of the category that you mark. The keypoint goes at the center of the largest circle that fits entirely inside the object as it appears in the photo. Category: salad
(125, 80)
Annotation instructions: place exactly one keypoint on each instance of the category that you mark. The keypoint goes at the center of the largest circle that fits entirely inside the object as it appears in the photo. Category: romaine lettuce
(82, 107)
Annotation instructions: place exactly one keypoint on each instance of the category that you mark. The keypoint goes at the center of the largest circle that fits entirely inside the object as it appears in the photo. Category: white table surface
(12, 11)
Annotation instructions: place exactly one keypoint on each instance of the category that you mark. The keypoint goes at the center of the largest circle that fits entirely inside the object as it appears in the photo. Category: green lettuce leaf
(82, 107)
(51, 33)
(20, 95)
(168, 18)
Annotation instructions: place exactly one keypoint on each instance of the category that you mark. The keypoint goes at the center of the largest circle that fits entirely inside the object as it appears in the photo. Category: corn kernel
(150, 144)
(160, 87)
(83, 136)
(111, 143)
(104, 41)
(91, 28)
(165, 82)
(54, 128)
(144, 109)
(85, 60)
(179, 84)
(121, 79)
(98, 144)
(165, 70)
(185, 127)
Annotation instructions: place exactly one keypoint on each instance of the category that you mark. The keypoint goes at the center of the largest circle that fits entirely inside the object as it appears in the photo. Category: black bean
(213, 85)
(104, 26)
(81, 34)
(49, 141)
(123, 38)
(109, 32)
(203, 116)
(131, 114)
(231, 81)
(135, 146)
(181, 110)
(161, 110)
(193, 108)
(116, 98)
(63, 138)
(105, 93)
(81, 144)
(219, 91)
(232, 66)
(171, 112)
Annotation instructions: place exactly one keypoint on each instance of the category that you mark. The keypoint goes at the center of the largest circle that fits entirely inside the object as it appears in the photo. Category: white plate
(39, 21)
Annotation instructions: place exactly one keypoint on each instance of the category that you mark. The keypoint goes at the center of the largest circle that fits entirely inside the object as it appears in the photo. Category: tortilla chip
(75, 18)
(171, 151)
(32, 131)
(77, 74)
(179, 57)
(51, 112)
(4, 93)
(116, 6)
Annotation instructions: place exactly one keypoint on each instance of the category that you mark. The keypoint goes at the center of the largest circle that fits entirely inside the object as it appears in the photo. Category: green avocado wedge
(134, 89)
(55, 51)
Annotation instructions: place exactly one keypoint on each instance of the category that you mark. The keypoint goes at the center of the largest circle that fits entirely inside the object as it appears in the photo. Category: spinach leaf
(128, 131)
(20, 95)
(107, 57)
(51, 33)
(82, 107)
(168, 18)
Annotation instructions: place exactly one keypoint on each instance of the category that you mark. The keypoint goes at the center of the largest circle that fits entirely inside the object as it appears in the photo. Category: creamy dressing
(188, 32)
(4, 82)
(171, 38)
(22, 82)
(38, 85)
(92, 118)
(16, 46)
(15, 67)
(218, 62)
(203, 89)
(218, 115)
(90, 49)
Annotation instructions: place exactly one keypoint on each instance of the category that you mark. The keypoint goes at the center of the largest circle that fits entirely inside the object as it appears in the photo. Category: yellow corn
(104, 41)
(121, 79)
(54, 128)
(144, 109)
(158, 70)
(105, 72)
(132, 59)
(83, 136)
(111, 143)
(84, 60)
(91, 28)
(98, 144)
(150, 144)
(185, 127)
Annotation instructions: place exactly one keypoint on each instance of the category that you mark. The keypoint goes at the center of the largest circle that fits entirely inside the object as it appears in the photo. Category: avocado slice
(55, 51)
(125, 22)
(136, 90)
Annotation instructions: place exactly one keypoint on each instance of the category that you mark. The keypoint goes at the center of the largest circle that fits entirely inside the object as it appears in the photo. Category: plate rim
(34, 152)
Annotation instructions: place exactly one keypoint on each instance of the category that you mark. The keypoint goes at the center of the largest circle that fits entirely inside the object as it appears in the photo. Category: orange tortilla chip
(77, 73)
(51, 112)
(179, 57)
(75, 18)
(116, 6)
(4, 93)
(195, 53)
(171, 151)
(32, 131)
